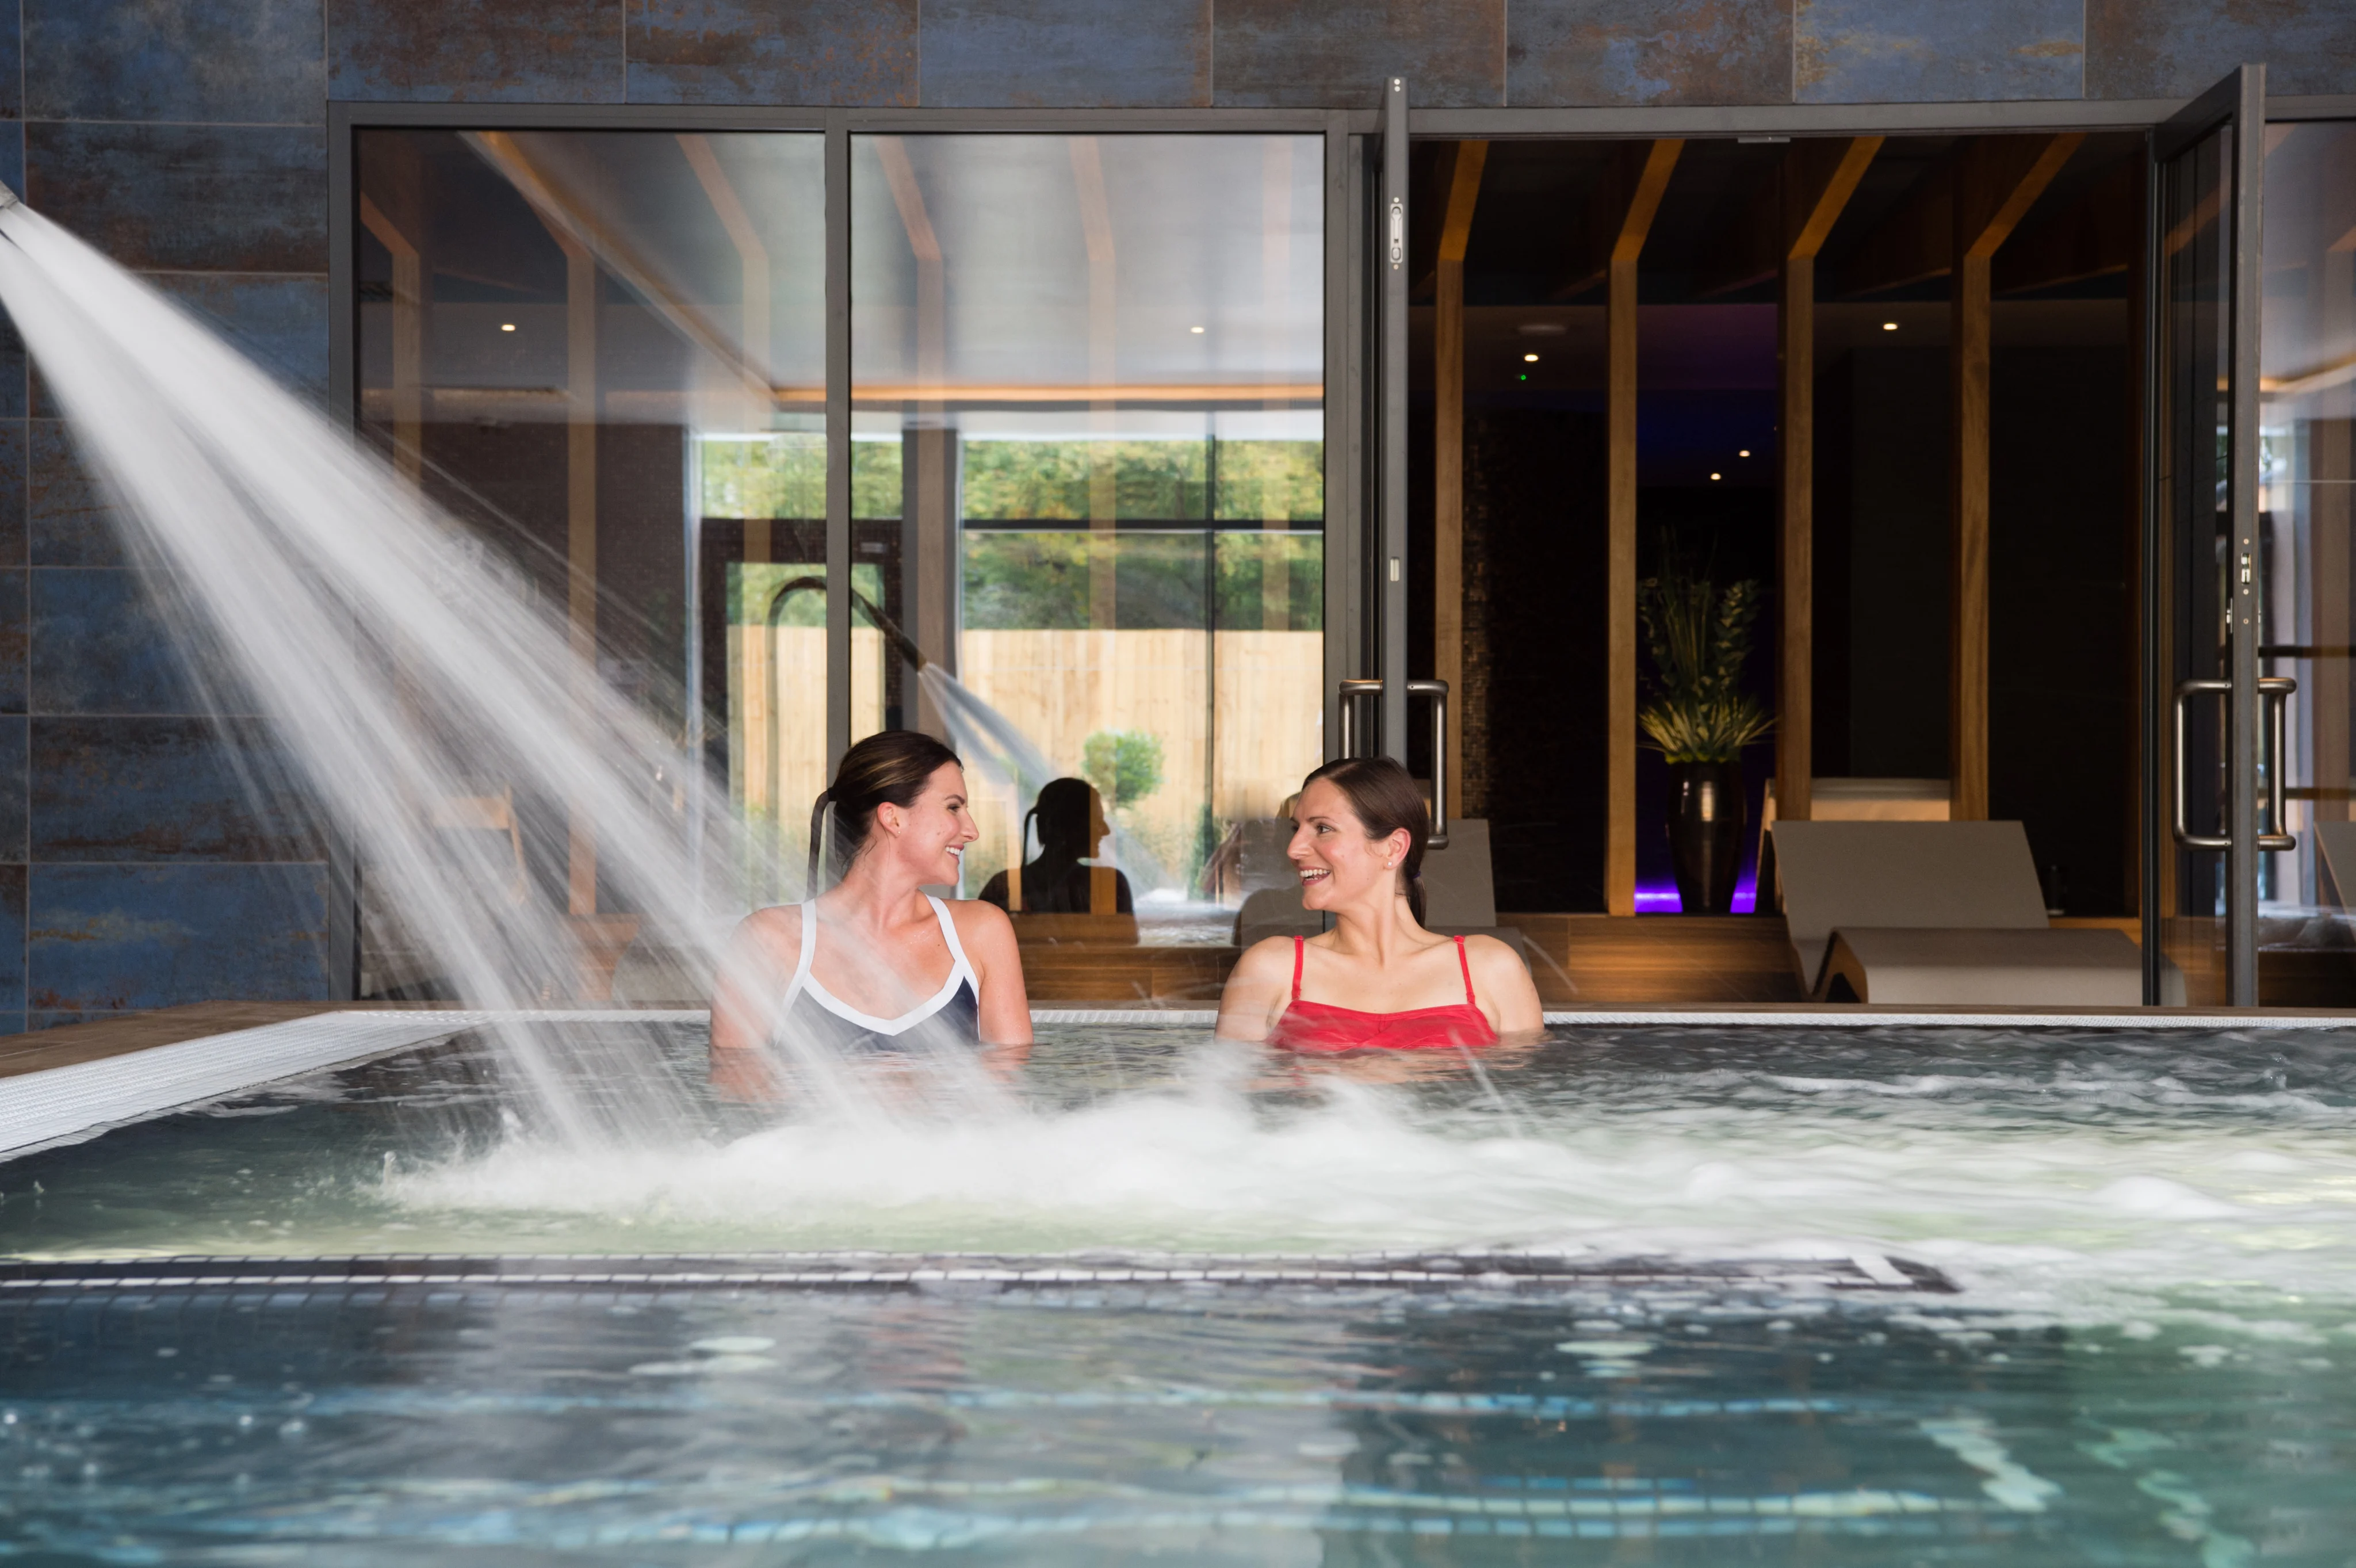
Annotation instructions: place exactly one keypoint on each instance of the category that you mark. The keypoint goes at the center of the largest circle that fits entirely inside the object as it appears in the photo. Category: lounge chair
(1939, 914)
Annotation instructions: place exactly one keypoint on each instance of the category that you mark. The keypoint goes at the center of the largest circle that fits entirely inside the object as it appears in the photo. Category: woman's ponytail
(817, 839)
(892, 769)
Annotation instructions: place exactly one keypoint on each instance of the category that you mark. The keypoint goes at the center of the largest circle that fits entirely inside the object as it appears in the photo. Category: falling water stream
(2149, 1229)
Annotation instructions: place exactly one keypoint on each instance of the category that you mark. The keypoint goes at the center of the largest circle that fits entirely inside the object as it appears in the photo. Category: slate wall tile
(12, 63)
(14, 795)
(1923, 51)
(100, 644)
(163, 790)
(476, 51)
(1066, 53)
(13, 460)
(2174, 48)
(279, 321)
(67, 519)
(104, 938)
(229, 198)
(15, 645)
(247, 60)
(1571, 53)
(806, 52)
(1338, 54)
(16, 384)
(12, 950)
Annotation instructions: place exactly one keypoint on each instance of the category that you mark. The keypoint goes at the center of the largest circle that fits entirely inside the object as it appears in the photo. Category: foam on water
(2047, 1194)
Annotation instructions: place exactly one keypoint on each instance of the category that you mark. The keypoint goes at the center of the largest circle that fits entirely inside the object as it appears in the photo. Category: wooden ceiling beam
(1463, 191)
(1998, 179)
(1795, 214)
(1968, 205)
(2098, 234)
(1620, 214)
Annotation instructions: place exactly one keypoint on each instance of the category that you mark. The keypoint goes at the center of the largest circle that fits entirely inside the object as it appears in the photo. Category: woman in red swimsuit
(1358, 845)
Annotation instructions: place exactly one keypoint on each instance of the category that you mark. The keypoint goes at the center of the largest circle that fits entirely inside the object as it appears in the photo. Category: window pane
(1090, 368)
(604, 351)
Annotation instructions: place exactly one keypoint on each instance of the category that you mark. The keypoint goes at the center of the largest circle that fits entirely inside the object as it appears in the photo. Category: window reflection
(2308, 456)
(1093, 366)
(604, 352)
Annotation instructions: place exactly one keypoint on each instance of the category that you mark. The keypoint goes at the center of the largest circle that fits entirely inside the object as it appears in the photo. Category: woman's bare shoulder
(1488, 956)
(1269, 957)
(769, 927)
(977, 921)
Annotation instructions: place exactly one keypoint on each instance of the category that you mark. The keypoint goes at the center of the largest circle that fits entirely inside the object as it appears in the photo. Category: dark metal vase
(1705, 811)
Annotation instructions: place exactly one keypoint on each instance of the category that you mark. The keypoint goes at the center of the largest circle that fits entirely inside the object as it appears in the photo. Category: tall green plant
(1698, 636)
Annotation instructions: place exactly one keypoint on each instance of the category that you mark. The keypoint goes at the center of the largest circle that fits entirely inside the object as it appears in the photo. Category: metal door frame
(2236, 105)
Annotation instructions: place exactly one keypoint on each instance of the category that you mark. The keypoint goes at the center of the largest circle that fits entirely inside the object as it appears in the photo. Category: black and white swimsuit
(816, 1015)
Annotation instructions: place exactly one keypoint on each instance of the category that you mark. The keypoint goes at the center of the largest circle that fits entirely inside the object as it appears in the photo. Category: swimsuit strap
(1466, 965)
(957, 948)
(1299, 949)
(809, 950)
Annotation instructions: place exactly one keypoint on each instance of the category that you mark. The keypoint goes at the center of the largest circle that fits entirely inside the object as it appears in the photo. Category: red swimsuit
(1318, 1027)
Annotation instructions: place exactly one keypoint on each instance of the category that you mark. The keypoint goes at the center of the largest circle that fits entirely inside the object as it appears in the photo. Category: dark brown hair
(1384, 799)
(893, 766)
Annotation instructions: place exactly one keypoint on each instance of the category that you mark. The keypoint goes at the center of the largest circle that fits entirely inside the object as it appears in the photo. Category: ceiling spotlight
(507, 325)
(1530, 358)
(1744, 453)
(1717, 475)
(1889, 327)
(1196, 329)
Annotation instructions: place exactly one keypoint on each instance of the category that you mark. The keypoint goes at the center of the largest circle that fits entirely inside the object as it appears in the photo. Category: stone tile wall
(186, 138)
(188, 141)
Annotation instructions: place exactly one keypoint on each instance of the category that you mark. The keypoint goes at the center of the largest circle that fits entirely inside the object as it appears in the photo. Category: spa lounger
(1938, 914)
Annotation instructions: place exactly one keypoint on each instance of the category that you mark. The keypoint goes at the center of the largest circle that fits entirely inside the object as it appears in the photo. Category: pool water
(2147, 1359)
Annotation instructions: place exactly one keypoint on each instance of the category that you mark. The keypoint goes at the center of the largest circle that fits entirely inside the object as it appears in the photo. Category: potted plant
(1699, 718)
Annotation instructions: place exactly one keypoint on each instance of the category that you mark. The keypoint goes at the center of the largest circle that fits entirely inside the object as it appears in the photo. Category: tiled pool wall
(189, 142)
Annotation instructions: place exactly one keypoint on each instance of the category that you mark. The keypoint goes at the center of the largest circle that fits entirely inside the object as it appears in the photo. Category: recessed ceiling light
(1744, 453)
(1194, 329)
(507, 325)
(1889, 327)
(1717, 475)
(1530, 358)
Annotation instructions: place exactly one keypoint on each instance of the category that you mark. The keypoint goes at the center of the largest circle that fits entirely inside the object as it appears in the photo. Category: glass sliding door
(2307, 403)
(2209, 612)
(604, 352)
(1088, 437)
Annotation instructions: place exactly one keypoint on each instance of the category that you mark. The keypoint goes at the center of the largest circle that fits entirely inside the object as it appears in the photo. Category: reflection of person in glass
(1071, 826)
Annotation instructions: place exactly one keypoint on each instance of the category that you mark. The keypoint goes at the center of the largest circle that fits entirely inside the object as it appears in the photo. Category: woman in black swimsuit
(875, 963)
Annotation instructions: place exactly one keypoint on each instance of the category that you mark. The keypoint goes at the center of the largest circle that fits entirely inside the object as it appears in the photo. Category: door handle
(1353, 691)
(2274, 702)
(2274, 695)
(2185, 691)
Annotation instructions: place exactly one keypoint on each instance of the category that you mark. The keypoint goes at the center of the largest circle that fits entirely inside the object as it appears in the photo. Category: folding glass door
(2208, 618)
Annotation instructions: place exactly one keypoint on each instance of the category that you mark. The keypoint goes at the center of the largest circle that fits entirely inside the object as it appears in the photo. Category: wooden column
(754, 309)
(1095, 229)
(1795, 446)
(408, 338)
(581, 534)
(1276, 301)
(1645, 191)
(1815, 183)
(1998, 179)
(927, 447)
(1448, 450)
(1967, 566)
